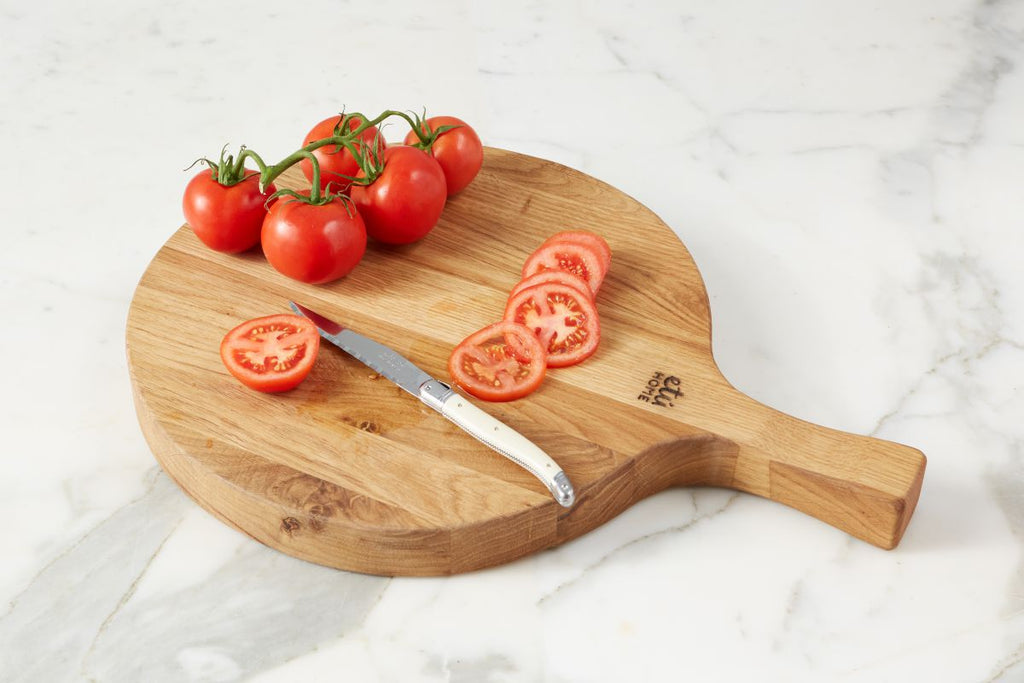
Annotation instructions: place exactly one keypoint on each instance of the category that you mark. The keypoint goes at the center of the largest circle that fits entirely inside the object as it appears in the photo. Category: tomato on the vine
(314, 243)
(404, 202)
(500, 362)
(563, 318)
(273, 353)
(337, 165)
(227, 218)
(458, 150)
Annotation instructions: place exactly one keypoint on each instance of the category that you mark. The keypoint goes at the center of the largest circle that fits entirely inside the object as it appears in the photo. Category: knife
(442, 398)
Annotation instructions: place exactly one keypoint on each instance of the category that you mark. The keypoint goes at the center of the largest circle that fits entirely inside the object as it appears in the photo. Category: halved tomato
(500, 362)
(563, 319)
(577, 259)
(560, 276)
(590, 239)
(273, 353)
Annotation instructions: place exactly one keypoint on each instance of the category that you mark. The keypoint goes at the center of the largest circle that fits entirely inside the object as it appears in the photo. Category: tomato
(226, 218)
(273, 353)
(458, 150)
(559, 276)
(501, 362)
(578, 259)
(337, 164)
(597, 243)
(563, 319)
(314, 244)
(405, 202)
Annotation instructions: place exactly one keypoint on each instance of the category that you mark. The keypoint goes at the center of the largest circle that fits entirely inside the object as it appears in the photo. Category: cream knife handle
(500, 437)
(511, 444)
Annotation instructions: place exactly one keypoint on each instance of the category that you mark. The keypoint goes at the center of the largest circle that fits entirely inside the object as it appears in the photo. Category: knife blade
(441, 397)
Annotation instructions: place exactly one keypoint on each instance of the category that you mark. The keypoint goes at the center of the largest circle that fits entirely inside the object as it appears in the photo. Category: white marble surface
(849, 177)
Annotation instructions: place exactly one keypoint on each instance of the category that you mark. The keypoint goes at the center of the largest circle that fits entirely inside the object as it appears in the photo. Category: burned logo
(661, 390)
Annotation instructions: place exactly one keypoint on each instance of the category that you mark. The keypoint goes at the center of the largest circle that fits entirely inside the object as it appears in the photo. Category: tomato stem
(244, 154)
(383, 116)
(371, 164)
(270, 173)
(427, 135)
(314, 191)
(229, 170)
(348, 140)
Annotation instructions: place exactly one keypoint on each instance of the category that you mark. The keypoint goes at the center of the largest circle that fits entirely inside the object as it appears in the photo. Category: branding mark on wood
(661, 390)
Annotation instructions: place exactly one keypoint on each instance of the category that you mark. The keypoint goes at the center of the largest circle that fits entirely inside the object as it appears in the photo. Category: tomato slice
(563, 319)
(500, 362)
(572, 257)
(273, 353)
(596, 243)
(562, 277)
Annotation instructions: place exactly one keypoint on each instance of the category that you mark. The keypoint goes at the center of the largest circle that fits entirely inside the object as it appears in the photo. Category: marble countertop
(849, 178)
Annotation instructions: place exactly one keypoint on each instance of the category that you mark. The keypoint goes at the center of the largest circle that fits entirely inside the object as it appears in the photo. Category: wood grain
(348, 471)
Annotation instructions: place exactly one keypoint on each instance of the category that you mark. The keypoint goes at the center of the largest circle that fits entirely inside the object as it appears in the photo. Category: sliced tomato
(563, 319)
(273, 353)
(572, 257)
(501, 362)
(560, 276)
(593, 240)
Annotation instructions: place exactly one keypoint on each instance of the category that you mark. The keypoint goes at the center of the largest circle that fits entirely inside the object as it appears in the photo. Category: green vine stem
(428, 136)
(347, 140)
(248, 154)
(231, 170)
(270, 173)
(315, 197)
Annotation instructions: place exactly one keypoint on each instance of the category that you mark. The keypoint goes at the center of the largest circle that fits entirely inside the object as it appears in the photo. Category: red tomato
(226, 218)
(314, 244)
(578, 259)
(273, 353)
(563, 319)
(459, 151)
(597, 243)
(501, 362)
(335, 161)
(405, 202)
(559, 276)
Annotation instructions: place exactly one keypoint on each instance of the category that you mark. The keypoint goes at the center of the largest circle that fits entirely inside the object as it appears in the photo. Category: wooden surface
(349, 471)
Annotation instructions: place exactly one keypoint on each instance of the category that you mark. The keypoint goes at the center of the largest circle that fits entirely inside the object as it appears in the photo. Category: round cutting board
(349, 471)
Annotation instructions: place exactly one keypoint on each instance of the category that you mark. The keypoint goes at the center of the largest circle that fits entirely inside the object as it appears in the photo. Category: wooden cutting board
(349, 471)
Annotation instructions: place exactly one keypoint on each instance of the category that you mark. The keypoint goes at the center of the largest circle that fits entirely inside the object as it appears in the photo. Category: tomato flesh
(563, 319)
(595, 242)
(573, 258)
(271, 354)
(560, 276)
(501, 362)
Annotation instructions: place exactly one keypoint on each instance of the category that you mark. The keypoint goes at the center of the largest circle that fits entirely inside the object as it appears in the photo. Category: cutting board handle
(862, 485)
